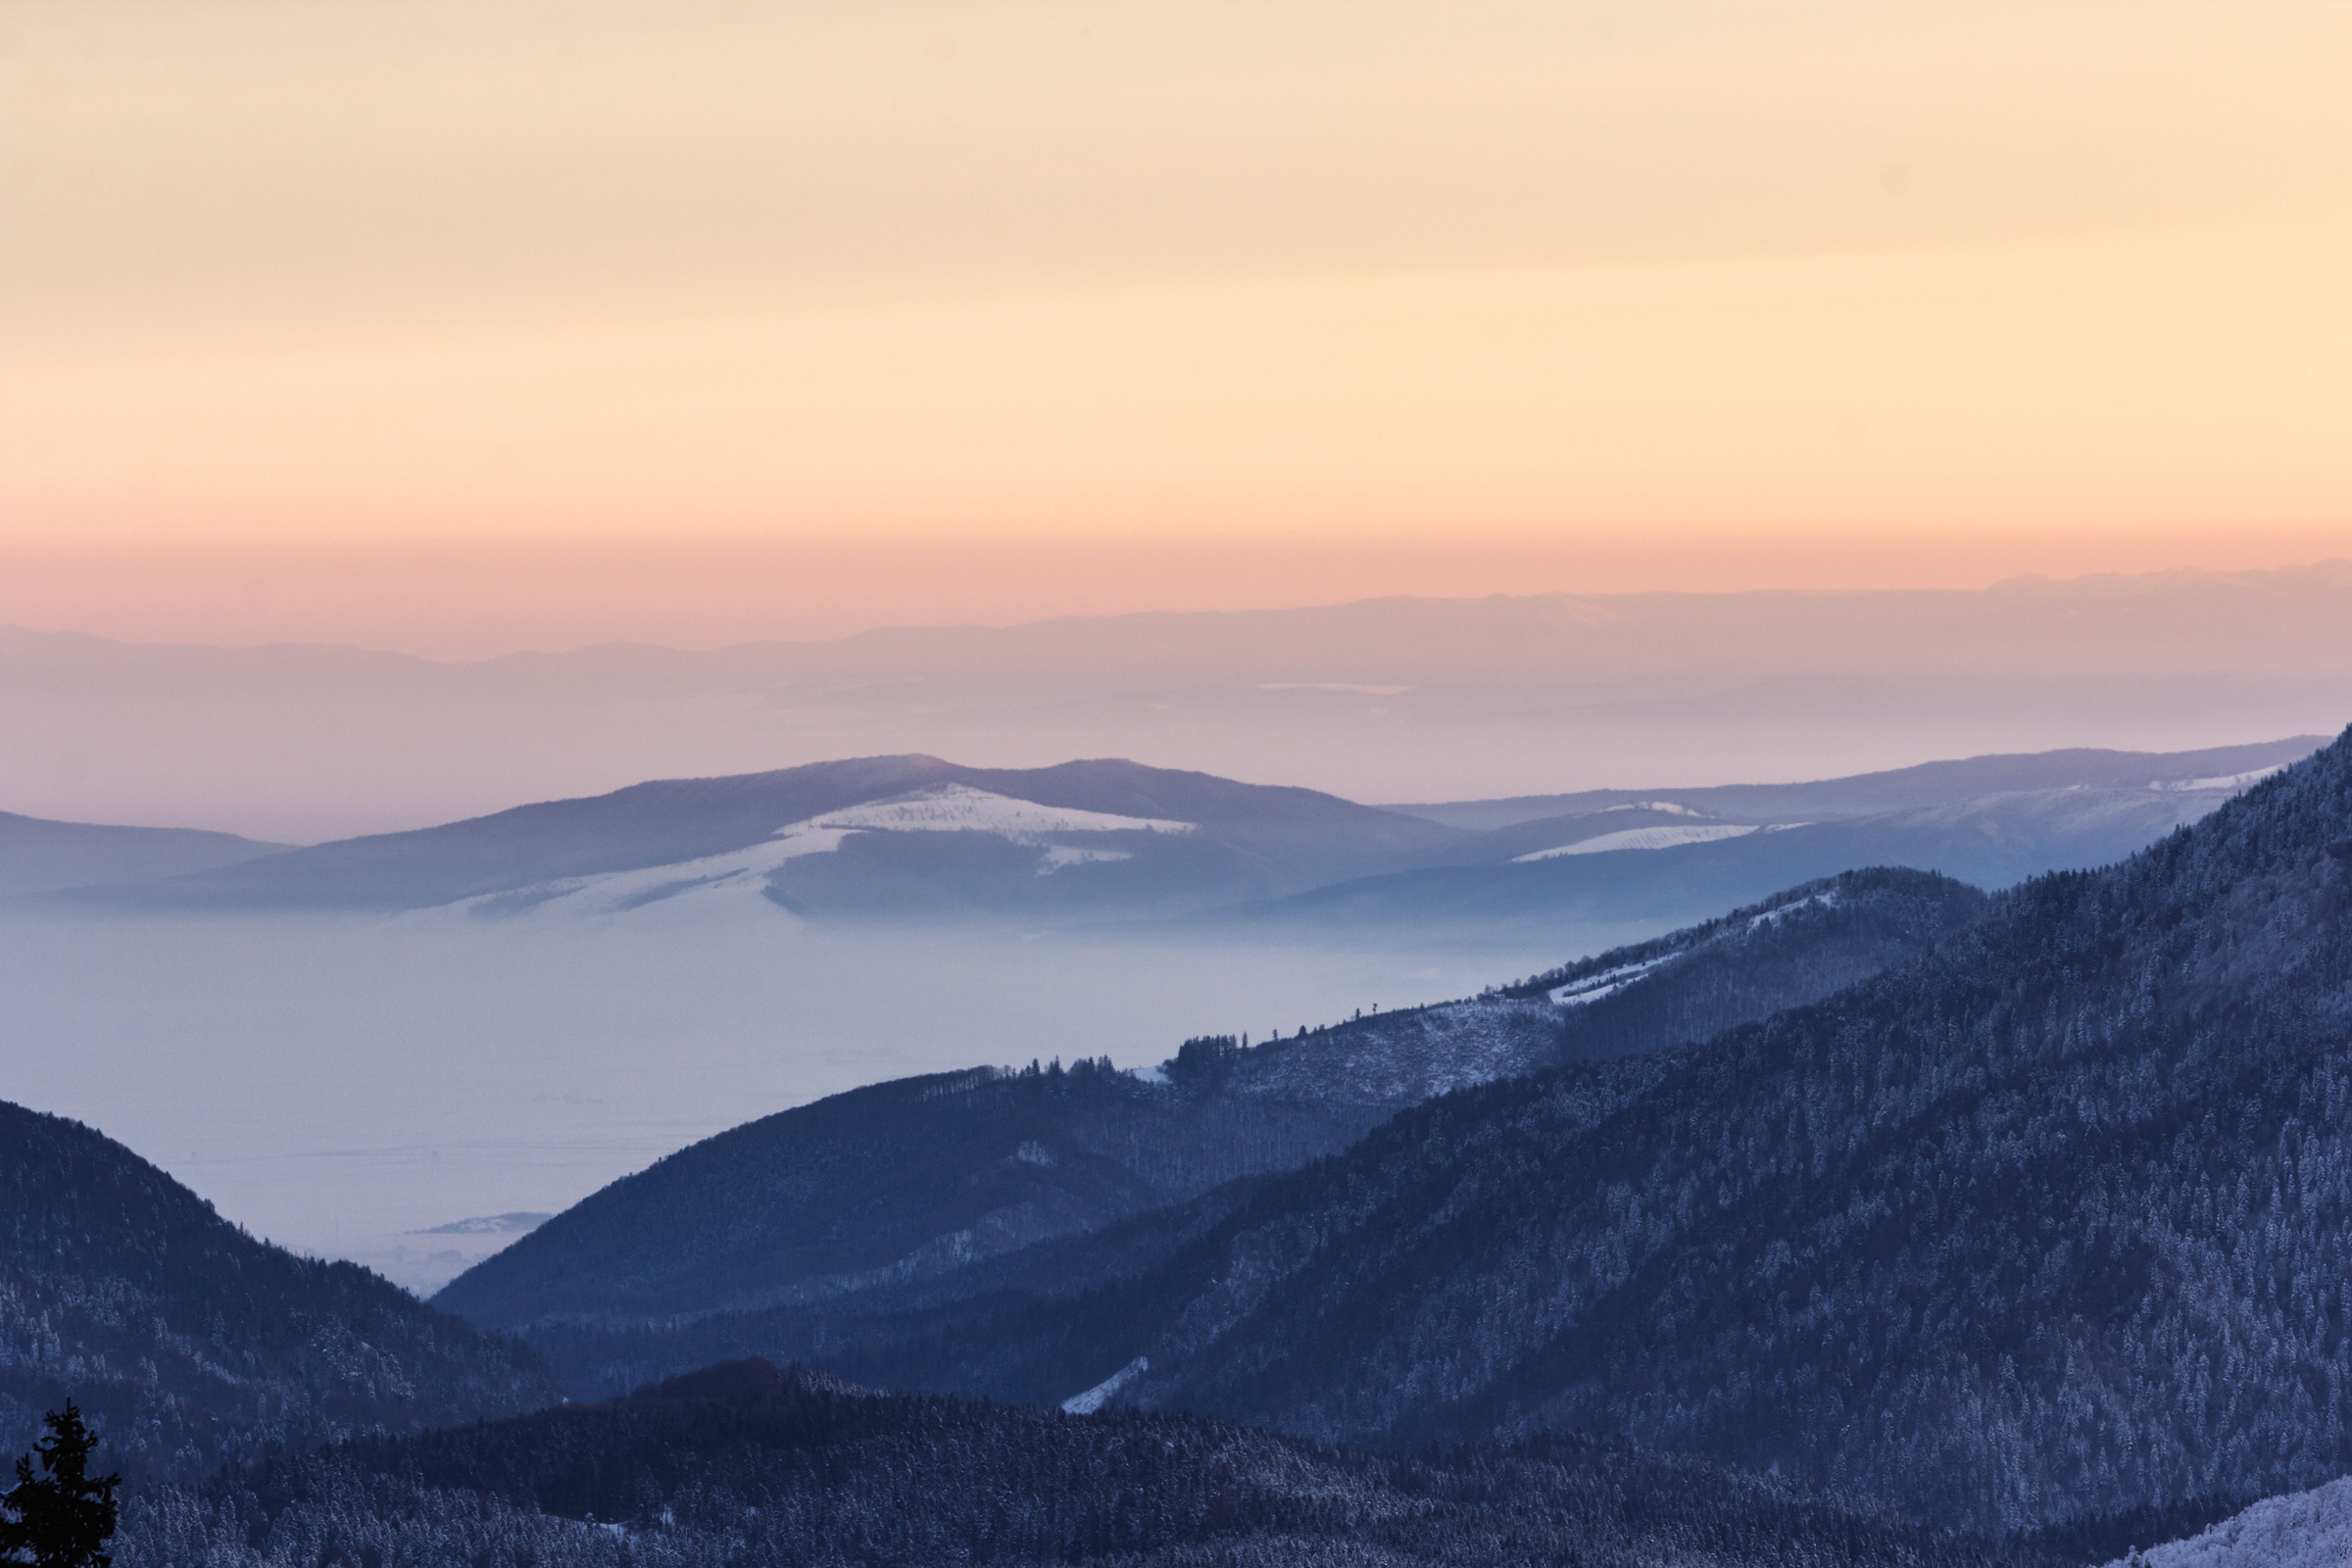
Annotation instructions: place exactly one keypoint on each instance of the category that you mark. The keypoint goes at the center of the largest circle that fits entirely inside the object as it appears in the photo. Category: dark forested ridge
(887, 1184)
(2055, 1221)
(744, 1465)
(188, 1342)
(824, 1225)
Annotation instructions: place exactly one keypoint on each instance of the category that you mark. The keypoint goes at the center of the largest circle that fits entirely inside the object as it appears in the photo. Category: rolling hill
(1115, 844)
(43, 857)
(873, 836)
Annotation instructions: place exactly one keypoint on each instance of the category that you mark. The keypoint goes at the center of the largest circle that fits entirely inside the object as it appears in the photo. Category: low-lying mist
(342, 1084)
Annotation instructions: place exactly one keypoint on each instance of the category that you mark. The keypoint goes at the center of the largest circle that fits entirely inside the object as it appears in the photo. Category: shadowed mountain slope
(2050, 1222)
(742, 1464)
(884, 1186)
(190, 1344)
(826, 1224)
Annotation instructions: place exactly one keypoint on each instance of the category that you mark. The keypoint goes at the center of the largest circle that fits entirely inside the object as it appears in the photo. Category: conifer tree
(61, 1518)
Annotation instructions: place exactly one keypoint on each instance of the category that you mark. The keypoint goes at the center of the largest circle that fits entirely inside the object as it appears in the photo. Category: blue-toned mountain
(2054, 1220)
(189, 1343)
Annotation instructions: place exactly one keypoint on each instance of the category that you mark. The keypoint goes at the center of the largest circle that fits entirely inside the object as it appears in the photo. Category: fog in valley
(339, 1084)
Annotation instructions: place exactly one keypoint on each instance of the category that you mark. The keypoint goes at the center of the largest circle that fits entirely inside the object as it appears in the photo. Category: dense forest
(885, 1186)
(742, 1464)
(188, 1342)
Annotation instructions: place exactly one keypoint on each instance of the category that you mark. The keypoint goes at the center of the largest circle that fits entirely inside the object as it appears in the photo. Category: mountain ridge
(2040, 1223)
(189, 1342)
(817, 1224)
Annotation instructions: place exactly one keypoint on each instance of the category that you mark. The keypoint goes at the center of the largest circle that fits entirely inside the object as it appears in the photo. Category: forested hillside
(888, 1184)
(745, 1465)
(2054, 1221)
(823, 1225)
(189, 1343)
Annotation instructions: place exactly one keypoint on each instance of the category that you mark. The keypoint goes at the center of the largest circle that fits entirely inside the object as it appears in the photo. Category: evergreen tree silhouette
(61, 1518)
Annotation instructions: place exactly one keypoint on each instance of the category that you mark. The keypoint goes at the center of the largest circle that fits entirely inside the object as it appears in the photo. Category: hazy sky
(464, 324)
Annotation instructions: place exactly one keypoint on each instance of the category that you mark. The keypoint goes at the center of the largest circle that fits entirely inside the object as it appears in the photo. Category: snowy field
(343, 1085)
(2301, 1529)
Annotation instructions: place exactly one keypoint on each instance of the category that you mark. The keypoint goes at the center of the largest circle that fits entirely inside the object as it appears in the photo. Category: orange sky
(467, 325)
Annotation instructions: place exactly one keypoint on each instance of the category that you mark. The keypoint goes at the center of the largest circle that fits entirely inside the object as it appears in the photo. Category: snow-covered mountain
(1669, 856)
(1112, 842)
(899, 836)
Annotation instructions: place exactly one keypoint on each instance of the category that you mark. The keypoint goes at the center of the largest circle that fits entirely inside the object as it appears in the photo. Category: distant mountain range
(190, 1344)
(39, 856)
(1391, 700)
(1096, 843)
(2037, 1228)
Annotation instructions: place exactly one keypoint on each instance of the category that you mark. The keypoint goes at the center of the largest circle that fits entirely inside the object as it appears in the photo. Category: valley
(1747, 1195)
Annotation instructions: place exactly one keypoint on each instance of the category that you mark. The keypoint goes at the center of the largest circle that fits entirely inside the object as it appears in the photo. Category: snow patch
(734, 884)
(1059, 856)
(1105, 1391)
(1644, 838)
(1668, 807)
(2301, 1529)
(1593, 986)
(2226, 781)
(961, 808)
(1826, 899)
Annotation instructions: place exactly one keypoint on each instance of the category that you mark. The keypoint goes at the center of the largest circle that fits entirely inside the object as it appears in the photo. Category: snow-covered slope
(737, 881)
(1646, 838)
(2301, 1529)
(863, 837)
(961, 808)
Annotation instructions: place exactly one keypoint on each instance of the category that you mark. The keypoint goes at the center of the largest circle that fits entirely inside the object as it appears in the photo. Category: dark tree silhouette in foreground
(61, 1518)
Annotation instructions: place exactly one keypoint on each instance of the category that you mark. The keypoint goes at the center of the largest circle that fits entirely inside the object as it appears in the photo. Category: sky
(460, 326)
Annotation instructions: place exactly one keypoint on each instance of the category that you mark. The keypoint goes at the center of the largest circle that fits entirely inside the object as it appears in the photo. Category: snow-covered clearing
(2301, 1529)
(1826, 897)
(1575, 993)
(1105, 1391)
(2230, 781)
